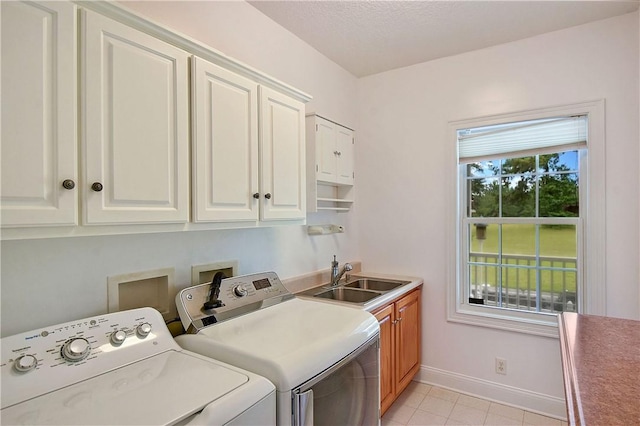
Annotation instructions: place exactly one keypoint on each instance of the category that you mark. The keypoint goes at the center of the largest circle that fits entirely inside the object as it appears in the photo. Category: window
(524, 212)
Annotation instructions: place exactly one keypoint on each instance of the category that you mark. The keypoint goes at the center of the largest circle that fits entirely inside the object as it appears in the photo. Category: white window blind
(512, 138)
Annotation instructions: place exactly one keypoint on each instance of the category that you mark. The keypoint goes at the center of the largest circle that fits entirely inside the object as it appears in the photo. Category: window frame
(591, 245)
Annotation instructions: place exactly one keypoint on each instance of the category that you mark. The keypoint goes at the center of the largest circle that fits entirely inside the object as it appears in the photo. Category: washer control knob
(240, 291)
(118, 337)
(75, 350)
(25, 363)
(143, 330)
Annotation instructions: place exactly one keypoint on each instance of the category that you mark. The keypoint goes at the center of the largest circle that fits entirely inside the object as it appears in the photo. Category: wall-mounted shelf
(326, 196)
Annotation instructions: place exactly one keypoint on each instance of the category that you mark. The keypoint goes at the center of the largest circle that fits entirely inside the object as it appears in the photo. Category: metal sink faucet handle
(336, 273)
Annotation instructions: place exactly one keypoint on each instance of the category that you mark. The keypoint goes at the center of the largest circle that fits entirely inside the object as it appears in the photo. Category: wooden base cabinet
(399, 346)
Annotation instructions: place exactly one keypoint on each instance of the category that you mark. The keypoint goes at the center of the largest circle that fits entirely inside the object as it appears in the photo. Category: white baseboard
(546, 405)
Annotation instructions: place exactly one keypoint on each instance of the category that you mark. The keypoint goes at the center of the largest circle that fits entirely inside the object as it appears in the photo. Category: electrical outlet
(501, 366)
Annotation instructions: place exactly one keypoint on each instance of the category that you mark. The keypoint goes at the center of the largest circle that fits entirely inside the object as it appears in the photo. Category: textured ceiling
(368, 37)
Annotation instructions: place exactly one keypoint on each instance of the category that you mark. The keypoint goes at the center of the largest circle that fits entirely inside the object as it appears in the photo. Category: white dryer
(323, 358)
(123, 368)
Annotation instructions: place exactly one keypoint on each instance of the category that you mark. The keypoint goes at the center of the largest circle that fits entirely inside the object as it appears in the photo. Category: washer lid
(159, 390)
(287, 343)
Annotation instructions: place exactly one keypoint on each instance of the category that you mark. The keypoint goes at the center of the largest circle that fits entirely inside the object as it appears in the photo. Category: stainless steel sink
(375, 284)
(360, 290)
(344, 294)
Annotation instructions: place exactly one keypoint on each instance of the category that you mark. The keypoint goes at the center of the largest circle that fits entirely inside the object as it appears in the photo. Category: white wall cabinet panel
(38, 114)
(344, 149)
(225, 144)
(325, 142)
(282, 157)
(135, 109)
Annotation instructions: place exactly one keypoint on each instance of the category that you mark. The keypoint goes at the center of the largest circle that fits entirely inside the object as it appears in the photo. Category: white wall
(403, 116)
(50, 281)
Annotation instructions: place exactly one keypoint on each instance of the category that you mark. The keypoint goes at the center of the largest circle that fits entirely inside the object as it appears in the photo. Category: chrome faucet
(336, 273)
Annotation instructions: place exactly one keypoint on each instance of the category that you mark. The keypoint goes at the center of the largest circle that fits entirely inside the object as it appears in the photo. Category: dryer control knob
(118, 337)
(143, 330)
(240, 291)
(25, 363)
(75, 350)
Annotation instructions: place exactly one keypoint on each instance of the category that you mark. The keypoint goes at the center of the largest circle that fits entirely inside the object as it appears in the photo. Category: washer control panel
(50, 358)
(239, 295)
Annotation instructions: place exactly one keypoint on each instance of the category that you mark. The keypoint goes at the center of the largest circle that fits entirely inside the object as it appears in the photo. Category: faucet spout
(336, 273)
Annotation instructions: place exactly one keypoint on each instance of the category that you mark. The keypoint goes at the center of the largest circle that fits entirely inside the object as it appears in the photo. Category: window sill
(534, 323)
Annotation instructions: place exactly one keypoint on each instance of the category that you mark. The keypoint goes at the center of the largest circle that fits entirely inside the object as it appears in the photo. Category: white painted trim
(594, 260)
(534, 402)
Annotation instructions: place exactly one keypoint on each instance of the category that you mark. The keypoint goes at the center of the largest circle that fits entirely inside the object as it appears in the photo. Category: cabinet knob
(97, 186)
(68, 184)
(256, 195)
(267, 196)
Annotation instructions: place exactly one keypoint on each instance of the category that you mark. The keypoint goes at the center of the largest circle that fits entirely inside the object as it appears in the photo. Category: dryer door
(348, 393)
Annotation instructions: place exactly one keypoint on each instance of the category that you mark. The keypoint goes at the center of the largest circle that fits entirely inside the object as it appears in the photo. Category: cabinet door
(325, 150)
(38, 113)
(225, 144)
(344, 149)
(386, 318)
(407, 339)
(282, 157)
(135, 110)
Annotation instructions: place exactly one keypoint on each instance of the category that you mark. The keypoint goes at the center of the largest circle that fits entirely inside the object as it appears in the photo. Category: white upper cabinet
(104, 122)
(246, 167)
(136, 125)
(225, 144)
(333, 146)
(38, 89)
(282, 157)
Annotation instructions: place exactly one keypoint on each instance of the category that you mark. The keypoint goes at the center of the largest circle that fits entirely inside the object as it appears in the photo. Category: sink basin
(375, 284)
(344, 294)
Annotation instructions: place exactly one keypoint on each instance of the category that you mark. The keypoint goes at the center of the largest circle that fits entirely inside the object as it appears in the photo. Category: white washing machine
(322, 358)
(123, 368)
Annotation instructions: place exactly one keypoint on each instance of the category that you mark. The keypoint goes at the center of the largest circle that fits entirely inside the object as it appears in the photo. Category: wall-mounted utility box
(142, 289)
(204, 273)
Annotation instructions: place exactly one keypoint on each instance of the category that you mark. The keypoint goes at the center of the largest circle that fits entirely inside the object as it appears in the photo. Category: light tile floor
(422, 404)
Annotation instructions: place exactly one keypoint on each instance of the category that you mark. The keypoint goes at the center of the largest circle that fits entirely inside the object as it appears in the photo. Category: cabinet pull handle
(256, 195)
(267, 196)
(97, 186)
(68, 184)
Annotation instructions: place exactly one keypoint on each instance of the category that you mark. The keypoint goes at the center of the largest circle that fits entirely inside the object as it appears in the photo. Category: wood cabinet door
(38, 140)
(344, 148)
(386, 318)
(136, 134)
(282, 157)
(225, 144)
(407, 339)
